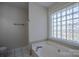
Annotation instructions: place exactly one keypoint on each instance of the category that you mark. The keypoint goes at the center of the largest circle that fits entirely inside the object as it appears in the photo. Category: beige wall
(9, 34)
(37, 22)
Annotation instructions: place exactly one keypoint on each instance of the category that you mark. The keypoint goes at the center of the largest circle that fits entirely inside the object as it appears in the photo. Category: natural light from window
(65, 23)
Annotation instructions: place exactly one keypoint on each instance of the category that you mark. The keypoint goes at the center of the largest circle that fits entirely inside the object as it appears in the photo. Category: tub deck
(52, 49)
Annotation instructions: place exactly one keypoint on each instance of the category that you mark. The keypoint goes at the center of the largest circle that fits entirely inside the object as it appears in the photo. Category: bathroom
(26, 30)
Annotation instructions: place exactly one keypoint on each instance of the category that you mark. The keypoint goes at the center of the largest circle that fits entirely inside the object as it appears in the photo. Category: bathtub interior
(53, 49)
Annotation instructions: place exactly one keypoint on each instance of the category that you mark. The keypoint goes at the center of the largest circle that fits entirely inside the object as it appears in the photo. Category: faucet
(58, 50)
(38, 47)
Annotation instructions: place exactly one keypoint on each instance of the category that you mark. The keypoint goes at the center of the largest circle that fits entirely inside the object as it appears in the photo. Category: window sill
(69, 43)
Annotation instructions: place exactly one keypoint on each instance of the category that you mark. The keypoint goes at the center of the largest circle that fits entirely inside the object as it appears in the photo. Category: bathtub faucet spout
(38, 48)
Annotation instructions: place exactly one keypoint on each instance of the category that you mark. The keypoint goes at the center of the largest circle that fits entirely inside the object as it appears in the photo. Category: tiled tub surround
(19, 52)
(53, 49)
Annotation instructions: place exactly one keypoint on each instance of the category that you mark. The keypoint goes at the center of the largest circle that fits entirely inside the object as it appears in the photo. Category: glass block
(55, 24)
(69, 22)
(75, 21)
(63, 12)
(76, 36)
(59, 19)
(69, 16)
(64, 27)
(63, 23)
(54, 20)
(69, 11)
(54, 16)
(54, 34)
(76, 15)
(63, 18)
(58, 27)
(69, 36)
(58, 14)
(59, 23)
(63, 35)
(76, 9)
(59, 35)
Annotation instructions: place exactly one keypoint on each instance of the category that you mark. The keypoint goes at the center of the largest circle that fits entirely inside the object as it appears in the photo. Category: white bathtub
(52, 49)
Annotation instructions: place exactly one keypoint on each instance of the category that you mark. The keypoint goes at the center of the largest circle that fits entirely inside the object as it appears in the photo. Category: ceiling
(16, 4)
(25, 4)
(45, 4)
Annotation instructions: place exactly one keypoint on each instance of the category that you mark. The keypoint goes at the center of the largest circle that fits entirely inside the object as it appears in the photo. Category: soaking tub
(53, 49)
